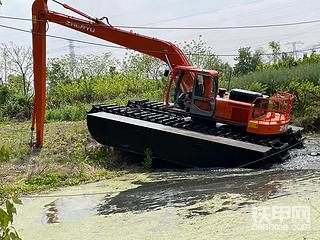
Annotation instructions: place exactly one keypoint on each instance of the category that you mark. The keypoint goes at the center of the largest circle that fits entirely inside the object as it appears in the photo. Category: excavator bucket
(179, 139)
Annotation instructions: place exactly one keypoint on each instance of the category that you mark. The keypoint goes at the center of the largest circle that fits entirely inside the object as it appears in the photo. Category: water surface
(186, 204)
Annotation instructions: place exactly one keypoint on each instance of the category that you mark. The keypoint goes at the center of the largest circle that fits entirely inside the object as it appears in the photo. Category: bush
(99, 156)
(147, 161)
(4, 94)
(48, 179)
(101, 89)
(5, 153)
(273, 80)
(17, 107)
(70, 101)
(68, 113)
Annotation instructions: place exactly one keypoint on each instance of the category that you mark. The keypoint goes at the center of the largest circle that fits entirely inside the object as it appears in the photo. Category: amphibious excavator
(198, 124)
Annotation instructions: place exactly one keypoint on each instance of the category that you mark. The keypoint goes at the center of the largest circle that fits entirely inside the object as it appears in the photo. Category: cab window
(199, 86)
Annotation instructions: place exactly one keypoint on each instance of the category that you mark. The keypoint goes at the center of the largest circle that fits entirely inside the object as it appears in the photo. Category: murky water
(184, 204)
(303, 158)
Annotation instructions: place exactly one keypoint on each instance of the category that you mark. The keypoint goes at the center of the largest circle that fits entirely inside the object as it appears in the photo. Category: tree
(276, 51)
(73, 80)
(1, 71)
(65, 69)
(95, 65)
(202, 56)
(247, 61)
(17, 91)
(20, 59)
(199, 54)
(142, 66)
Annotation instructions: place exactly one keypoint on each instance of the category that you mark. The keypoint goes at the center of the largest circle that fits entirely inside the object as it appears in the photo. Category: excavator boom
(163, 50)
(202, 126)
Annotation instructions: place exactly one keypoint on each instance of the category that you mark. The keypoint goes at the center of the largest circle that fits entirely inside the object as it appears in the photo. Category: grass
(69, 157)
(68, 113)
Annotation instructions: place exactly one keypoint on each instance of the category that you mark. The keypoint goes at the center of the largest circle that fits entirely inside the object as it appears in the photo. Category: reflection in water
(187, 189)
(51, 213)
(68, 208)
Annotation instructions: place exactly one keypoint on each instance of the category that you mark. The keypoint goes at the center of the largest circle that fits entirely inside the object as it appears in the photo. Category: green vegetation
(5, 153)
(70, 156)
(147, 161)
(7, 230)
(69, 101)
(75, 84)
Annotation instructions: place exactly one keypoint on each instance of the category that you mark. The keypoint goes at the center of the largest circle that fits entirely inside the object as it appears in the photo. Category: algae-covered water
(185, 204)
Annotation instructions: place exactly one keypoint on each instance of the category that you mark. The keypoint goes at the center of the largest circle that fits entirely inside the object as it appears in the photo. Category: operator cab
(195, 91)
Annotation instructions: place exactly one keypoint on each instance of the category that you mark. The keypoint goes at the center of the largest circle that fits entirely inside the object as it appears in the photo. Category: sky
(178, 13)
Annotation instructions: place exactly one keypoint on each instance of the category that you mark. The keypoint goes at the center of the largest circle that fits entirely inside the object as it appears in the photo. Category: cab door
(203, 102)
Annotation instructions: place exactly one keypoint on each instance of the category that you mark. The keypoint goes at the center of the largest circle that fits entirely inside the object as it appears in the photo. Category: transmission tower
(294, 47)
(5, 62)
(72, 53)
(72, 56)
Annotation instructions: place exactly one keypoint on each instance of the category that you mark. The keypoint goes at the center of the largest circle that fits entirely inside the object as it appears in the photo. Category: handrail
(278, 109)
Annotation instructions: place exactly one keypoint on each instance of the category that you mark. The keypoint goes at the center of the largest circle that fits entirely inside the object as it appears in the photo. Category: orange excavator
(197, 119)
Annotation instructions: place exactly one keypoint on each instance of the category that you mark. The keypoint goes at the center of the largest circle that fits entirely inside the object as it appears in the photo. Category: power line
(145, 50)
(222, 27)
(196, 28)
(15, 18)
(62, 38)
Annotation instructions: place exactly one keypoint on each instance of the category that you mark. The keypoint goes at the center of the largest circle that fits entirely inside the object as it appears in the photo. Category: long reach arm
(163, 50)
